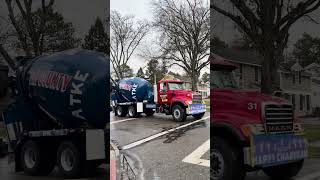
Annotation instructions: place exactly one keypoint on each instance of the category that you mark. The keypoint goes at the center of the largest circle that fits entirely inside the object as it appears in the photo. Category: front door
(163, 89)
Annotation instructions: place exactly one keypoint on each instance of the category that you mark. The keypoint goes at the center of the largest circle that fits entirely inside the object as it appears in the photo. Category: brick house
(292, 83)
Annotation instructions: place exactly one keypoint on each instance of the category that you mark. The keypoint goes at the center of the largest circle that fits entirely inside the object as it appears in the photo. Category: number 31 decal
(252, 106)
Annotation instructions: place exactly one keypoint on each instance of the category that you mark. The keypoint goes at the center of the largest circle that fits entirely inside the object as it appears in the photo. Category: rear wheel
(132, 111)
(179, 113)
(285, 171)
(70, 161)
(198, 116)
(36, 160)
(121, 111)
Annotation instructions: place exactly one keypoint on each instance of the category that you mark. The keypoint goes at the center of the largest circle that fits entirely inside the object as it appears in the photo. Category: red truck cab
(251, 130)
(172, 97)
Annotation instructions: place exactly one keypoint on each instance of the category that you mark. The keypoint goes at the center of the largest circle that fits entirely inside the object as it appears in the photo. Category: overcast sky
(224, 28)
(82, 13)
(141, 9)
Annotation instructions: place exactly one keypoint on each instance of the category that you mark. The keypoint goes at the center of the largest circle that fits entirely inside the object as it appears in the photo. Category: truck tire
(285, 171)
(226, 161)
(179, 113)
(69, 160)
(36, 160)
(121, 111)
(149, 112)
(198, 116)
(132, 111)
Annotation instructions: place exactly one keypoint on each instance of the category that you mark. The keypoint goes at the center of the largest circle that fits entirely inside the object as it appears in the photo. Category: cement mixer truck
(133, 96)
(60, 114)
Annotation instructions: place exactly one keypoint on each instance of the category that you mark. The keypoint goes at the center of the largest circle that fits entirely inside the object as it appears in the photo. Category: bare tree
(126, 36)
(185, 35)
(267, 24)
(34, 30)
(3, 38)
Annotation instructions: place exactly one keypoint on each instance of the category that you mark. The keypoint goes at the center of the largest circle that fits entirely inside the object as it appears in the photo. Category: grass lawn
(2, 132)
(312, 133)
(207, 103)
(314, 152)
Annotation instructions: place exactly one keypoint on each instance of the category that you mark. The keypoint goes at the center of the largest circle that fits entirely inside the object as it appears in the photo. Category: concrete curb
(315, 144)
(114, 156)
(3, 147)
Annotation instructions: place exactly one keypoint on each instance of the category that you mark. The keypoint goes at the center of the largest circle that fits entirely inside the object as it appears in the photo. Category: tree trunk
(194, 81)
(7, 58)
(269, 70)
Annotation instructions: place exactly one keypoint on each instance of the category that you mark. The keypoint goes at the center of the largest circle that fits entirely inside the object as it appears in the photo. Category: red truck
(133, 96)
(251, 131)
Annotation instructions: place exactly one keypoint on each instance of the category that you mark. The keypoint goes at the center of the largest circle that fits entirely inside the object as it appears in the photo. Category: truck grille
(197, 99)
(278, 118)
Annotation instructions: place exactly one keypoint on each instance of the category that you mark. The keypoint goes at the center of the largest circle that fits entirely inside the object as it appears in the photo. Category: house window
(294, 101)
(293, 78)
(301, 102)
(240, 71)
(256, 73)
(308, 102)
(299, 77)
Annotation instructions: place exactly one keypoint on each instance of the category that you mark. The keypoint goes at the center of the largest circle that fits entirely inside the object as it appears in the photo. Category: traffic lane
(163, 157)
(310, 171)
(129, 130)
(7, 172)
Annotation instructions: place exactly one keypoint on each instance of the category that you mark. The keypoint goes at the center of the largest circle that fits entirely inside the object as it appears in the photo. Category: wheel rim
(30, 158)
(67, 159)
(176, 114)
(131, 111)
(217, 165)
(119, 110)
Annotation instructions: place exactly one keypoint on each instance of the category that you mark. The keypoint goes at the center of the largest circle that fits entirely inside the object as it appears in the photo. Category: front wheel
(179, 113)
(285, 171)
(226, 161)
(198, 116)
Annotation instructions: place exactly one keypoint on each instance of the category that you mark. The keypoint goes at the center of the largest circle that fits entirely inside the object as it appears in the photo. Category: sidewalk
(114, 159)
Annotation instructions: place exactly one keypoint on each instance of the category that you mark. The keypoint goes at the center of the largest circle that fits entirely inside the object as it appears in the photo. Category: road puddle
(174, 135)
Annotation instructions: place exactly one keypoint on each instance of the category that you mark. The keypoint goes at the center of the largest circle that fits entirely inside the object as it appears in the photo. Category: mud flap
(139, 107)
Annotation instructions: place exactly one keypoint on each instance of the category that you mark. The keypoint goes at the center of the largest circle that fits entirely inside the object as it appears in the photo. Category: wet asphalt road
(7, 173)
(161, 158)
(310, 171)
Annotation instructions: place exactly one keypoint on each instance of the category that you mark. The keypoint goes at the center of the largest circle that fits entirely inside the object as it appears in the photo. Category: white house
(314, 69)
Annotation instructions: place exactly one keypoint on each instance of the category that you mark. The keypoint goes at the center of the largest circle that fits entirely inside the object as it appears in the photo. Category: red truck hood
(246, 94)
(239, 106)
(185, 95)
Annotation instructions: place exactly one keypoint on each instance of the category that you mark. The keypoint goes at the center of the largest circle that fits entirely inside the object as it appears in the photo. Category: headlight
(189, 102)
(249, 129)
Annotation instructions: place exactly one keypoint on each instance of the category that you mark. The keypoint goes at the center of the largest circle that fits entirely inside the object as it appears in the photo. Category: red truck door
(163, 89)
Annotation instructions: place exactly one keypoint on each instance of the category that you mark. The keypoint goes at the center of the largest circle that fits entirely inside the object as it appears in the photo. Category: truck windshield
(176, 86)
(222, 79)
